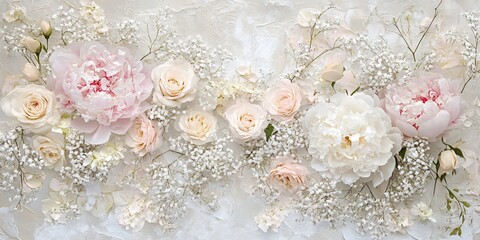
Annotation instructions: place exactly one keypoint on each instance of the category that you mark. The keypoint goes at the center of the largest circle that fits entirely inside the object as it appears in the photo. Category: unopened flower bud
(31, 72)
(448, 161)
(46, 28)
(31, 44)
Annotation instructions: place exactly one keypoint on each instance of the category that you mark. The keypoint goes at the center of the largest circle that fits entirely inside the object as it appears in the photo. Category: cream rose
(33, 106)
(448, 162)
(50, 148)
(246, 120)
(287, 174)
(332, 72)
(174, 82)
(283, 100)
(144, 136)
(198, 126)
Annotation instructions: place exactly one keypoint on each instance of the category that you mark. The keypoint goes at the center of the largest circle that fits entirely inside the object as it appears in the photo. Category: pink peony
(425, 106)
(105, 85)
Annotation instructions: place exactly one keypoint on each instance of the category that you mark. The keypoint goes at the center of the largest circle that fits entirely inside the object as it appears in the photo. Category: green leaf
(456, 231)
(333, 85)
(466, 204)
(402, 152)
(356, 90)
(269, 131)
(450, 194)
(458, 152)
(448, 204)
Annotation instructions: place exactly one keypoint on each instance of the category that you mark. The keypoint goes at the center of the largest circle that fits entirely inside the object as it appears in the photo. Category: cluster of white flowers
(272, 216)
(287, 139)
(128, 32)
(380, 66)
(78, 152)
(72, 28)
(163, 115)
(320, 201)
(471, 54)
(21, 167)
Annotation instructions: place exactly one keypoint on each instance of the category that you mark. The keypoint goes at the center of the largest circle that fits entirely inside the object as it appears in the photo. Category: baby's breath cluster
(320, 201)
(287, 139)
(21, 168)
(78, 153)
(380, 67)
(163, 114)
(72, 27)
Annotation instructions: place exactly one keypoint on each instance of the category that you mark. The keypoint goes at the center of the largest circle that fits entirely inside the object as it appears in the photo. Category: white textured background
(254, 31)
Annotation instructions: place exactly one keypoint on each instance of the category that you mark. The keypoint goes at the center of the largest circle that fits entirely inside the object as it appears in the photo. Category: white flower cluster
(471, 54)
(85, 163)
(128, 32)
(287, 139)
(272, 216)
(72, 28)
(379, 65)
(21, 167)
(320, 201)
(163, 114)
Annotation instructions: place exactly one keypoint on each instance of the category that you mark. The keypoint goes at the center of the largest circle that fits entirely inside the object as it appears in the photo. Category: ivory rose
(287, 174)
(175, 83)
(425, 106)
(198, 126)
(50, 148)
(283, 100)
(246, 120)
(33, 106)
(144, 136)
(104, 84)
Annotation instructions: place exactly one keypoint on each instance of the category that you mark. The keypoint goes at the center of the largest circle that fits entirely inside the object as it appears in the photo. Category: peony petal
(82, 126)
(406, 128)
(453, 106)
(100, 136)
(436, 126)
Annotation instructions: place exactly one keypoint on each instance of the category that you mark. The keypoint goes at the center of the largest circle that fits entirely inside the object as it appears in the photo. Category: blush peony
(352, 139)
(105, 85)
(425, 106)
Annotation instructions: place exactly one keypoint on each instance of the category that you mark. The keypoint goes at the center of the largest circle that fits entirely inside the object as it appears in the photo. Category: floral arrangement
(351, 132)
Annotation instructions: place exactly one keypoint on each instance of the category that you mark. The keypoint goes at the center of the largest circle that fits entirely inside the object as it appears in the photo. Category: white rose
(175, 83)
(283, 100)
(332, 72)
(50, 148)
(198, 126)
(448, 162)
(33, 106)
(246, 120)
(307, 17)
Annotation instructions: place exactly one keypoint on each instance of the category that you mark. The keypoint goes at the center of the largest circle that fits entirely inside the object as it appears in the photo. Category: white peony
(352, 138)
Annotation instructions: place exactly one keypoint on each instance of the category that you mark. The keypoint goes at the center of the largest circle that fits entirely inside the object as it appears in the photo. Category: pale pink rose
(283, 100)
(104, 84)
(246, 120)
(144, 136)
(287, 174)
(424, 106)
